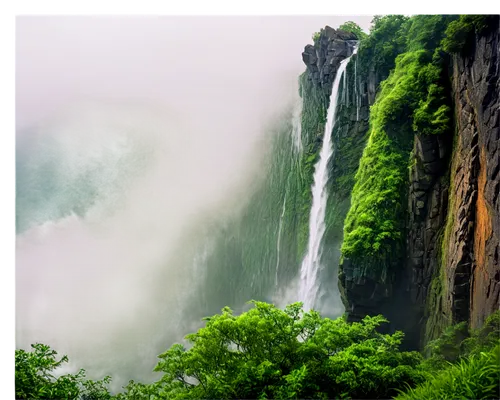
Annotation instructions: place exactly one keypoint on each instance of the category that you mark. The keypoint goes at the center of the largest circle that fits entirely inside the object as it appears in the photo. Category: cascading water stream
(344, 94)
(278, 242)
(310, 268)
(296, 149)
(356, 86)
(297, 125)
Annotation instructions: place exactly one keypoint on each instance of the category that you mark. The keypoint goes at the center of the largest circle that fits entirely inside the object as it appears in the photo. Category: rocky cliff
(467, 284)
(440, 266)
(323, 58)
(452, 249)
(357, 93)
(476, 183)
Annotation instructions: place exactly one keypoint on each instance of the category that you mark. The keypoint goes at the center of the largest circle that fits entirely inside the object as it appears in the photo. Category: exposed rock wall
(427, 207)
(450, 272)
(356, 94)
(454, 217)
(322, 60)
(471, 266)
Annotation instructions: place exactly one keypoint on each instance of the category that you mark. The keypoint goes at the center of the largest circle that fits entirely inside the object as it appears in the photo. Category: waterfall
(356, 85)
(311, 264)
(346, 87)
(297, 125)
(278, 242)
(345, 91)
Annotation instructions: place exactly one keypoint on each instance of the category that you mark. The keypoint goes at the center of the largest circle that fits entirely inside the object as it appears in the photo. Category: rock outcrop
(361, 290)
(448, 270)
(427, 207)
(471, 266)
(454, 216)
(322, 60)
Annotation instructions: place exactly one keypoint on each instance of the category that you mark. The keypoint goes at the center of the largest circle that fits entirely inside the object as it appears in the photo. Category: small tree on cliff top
(352, 27)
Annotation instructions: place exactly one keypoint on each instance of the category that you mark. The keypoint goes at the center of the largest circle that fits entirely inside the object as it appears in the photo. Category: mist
(132, 131)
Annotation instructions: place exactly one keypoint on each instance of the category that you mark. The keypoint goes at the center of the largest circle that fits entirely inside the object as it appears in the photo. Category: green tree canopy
(267, 352)
(352, 27)
(35, 378)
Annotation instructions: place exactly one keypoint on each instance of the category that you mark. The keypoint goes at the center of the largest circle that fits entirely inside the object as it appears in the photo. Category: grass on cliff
(461, 32)
(413, 99)
(313, 122)
(476, 377)
(464, 364)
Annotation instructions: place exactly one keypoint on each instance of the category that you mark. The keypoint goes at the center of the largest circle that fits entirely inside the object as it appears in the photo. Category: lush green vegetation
(315, 103)
(267, 352)
(464, 363)
(461, 32)
(352, 27)
(316, 35)
(476, 377)
(413, 99)
(348, 26)
(417, 91)
(458, 341)
(272, 353)
(35, 379)
(386, 40)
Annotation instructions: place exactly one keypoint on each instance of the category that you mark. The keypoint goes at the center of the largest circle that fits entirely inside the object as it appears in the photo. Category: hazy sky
(60, 59)
(196, 93)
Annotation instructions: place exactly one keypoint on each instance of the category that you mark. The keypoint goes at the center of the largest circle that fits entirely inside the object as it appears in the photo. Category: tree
(34, 378)
(267, 352)
(352, 27)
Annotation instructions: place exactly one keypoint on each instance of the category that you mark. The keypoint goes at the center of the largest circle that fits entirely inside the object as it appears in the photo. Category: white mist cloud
(196, 92)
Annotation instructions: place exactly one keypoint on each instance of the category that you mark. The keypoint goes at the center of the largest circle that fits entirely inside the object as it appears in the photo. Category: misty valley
(215, 226)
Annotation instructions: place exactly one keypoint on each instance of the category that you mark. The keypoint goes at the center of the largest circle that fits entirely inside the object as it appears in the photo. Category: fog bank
(130, 130)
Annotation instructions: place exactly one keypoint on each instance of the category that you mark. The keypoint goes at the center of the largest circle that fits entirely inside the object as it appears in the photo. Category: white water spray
(310, 268)
(346, 87)
(297, 125)
(279, 241)
(356, 85)
(344, 94)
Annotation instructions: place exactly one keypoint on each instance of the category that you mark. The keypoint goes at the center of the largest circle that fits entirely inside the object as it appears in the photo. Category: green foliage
(375, 220)
(34, 378)
(485, 337)
(432, 116)
(386, 40)
(413, 99)
(271, 353)
(313, 125)
(475, 377)
(138, 391)
(426, 31)
(463, 363)
(267, 352)
(352, 27)
(316, 35)
(458, 341)
(461, 32)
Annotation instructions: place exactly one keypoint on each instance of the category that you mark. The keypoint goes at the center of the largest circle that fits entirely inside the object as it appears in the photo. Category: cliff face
(356, 95)
(446, 268)
(427, 208)
(454, 218)
(450, 270)
(322, 60)
(471, 245)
